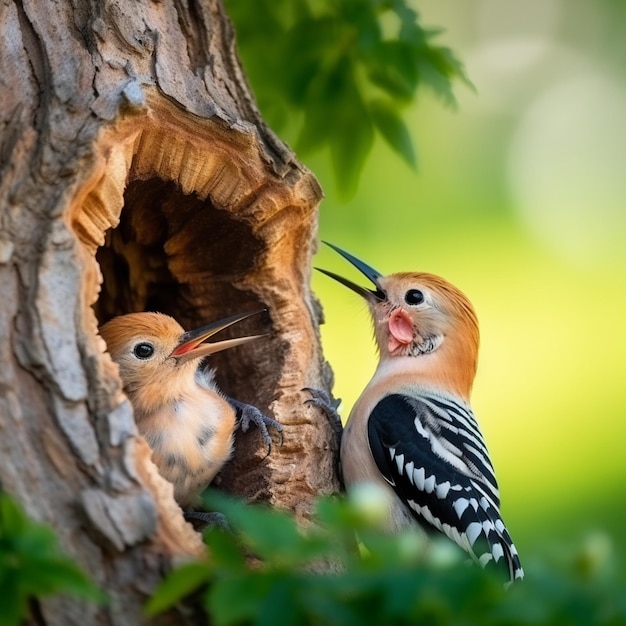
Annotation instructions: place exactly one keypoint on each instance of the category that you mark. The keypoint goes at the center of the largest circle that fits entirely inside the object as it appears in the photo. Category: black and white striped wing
(432, 453)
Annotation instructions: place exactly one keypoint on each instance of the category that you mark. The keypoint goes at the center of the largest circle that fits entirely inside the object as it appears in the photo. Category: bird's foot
(329, 406)
(249, 414)
(201, 520)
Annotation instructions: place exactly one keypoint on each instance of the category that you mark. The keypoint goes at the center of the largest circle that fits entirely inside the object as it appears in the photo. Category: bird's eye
(143, 350)
(414, 296)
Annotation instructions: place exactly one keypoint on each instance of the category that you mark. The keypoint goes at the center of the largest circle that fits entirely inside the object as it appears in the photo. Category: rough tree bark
(137, 174)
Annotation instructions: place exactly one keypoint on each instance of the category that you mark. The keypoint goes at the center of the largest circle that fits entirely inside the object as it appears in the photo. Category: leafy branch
(349, 69)
(31, 565)
(269, 571)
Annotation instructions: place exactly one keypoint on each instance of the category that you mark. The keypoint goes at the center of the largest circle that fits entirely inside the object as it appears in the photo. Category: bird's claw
(201, 520)
(322, 399)
(249, 414)
(329, 406)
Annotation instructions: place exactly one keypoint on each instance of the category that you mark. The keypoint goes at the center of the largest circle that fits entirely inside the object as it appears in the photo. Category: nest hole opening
(181, 255)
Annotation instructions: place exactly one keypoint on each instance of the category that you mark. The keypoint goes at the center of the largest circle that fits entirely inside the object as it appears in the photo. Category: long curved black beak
(365, 269)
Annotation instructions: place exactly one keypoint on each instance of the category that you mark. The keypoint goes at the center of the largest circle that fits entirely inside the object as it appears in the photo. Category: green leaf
(394, 68)
(349, 151)
(437, 66)
(335, 513)
(317, 128)
(331, 97)
(225, 549)
(280, 605)
(394, 130)
(13, 602)
(179, 584)
(272, 535)
(12, 520)
(49, 574)
(35, 541)
(351, 142)
(310, 48)
(31, 565)
(236, 598)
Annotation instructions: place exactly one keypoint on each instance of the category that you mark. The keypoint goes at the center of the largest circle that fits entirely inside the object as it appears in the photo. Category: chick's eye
(414, 296)
(143, 350)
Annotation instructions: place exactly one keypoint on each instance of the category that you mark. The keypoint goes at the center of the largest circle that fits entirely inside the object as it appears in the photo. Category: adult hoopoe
(412, 430)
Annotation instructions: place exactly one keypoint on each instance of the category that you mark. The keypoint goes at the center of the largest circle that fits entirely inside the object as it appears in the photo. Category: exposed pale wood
(135, 173)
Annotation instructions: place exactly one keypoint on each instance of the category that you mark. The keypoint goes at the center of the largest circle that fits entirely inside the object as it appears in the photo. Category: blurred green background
(518, 199)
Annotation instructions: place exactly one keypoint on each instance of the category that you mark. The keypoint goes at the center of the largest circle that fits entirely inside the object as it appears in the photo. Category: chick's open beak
(369, 294)
(191, 346)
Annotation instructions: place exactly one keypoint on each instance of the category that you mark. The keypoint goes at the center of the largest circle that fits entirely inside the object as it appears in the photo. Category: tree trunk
(136, 174)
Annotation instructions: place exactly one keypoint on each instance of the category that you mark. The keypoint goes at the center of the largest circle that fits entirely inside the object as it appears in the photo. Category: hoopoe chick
(186, 420)
(412, 430)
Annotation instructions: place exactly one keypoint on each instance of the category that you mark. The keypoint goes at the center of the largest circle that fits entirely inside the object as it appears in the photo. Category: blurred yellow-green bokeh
(520, 200)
